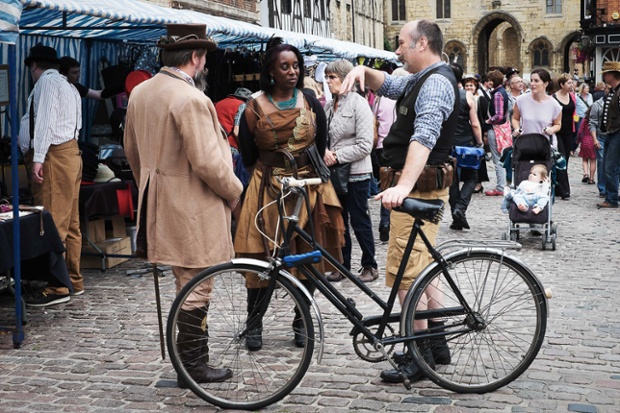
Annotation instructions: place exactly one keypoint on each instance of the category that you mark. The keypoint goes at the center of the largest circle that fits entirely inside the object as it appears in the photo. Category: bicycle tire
(260, 378)
(512, 303)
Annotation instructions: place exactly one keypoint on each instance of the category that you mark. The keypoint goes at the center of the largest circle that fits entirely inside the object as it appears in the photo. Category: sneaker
(368, 274)
(45, 299)
(494, 192)
(75, 292)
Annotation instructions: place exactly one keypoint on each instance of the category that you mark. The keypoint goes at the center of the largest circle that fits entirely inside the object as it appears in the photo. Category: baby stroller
(527, 151)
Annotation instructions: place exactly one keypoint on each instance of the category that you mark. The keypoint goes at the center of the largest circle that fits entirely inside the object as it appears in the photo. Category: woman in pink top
(537, 112)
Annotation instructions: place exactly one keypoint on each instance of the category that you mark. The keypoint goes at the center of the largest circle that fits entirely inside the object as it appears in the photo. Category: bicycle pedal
(406, 381)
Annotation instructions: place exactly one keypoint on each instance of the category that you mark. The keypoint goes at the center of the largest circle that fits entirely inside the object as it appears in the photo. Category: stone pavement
(100, 352)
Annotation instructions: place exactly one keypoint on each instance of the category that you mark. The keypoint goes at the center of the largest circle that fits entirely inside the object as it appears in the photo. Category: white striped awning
(10, 13)
(134, 21)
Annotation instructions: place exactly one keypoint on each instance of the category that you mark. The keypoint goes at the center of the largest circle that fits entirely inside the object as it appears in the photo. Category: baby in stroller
(531, 193)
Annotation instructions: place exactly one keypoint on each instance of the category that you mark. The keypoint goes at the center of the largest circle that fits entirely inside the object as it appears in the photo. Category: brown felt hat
(186, 36)
(611, 67)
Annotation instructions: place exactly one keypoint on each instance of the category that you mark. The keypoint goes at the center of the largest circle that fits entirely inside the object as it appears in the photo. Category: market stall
(109, 33)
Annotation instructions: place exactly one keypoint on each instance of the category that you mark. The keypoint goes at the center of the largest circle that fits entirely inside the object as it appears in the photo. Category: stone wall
(471, 18)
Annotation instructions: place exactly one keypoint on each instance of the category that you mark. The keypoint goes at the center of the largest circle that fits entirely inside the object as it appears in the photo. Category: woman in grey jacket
(350, 140)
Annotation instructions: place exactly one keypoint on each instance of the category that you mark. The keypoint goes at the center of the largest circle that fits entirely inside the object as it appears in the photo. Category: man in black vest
(422, 134)
(611, 126)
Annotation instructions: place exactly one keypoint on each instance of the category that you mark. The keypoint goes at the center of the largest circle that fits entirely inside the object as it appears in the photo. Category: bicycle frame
(345, 305)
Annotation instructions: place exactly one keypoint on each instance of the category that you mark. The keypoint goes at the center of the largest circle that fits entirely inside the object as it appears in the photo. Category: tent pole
(18, 334)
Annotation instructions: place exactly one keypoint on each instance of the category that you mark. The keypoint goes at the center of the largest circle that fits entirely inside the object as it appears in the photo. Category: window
(554, 6)
(443, 9)
(398, 11)
(307, 8)
(541, 54)
(456, 53)
(287, 6)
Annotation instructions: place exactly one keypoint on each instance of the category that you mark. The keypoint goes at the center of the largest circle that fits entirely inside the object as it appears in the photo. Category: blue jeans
(355, 208)
(611, 160)
(600, 165)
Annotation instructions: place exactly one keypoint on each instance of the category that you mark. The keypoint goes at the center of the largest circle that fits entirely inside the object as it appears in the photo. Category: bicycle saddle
(426, 209)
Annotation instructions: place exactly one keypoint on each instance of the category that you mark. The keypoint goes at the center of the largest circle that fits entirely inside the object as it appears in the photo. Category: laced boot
(409, 368)
(254, 336)
(439, 346)
(192, 343)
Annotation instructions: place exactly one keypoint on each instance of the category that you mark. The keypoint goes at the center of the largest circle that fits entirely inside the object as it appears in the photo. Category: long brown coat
(183, 166)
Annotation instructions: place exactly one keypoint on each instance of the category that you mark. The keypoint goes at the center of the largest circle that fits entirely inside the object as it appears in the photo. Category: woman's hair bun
(274, 41)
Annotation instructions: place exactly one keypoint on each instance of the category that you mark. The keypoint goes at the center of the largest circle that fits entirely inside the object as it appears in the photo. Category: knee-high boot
(298, 324)
(192, 343)
(254, 336)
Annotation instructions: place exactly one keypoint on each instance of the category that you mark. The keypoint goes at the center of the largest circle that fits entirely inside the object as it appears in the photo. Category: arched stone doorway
(568, 47)
(497, 37)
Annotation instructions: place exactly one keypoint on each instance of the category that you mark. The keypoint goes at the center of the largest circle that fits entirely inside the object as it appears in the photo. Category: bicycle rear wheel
(497, 344)
(259, 378)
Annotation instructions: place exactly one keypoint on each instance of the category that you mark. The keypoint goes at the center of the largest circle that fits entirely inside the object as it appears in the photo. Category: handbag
(468, 157)
(317, 163)
(503, 136)
(339, 176)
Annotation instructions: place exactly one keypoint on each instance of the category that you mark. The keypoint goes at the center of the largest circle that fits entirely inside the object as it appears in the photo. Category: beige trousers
(201, 294)
(59, 194)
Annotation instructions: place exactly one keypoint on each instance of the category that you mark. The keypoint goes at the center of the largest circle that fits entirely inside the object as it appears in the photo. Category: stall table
(101, 200)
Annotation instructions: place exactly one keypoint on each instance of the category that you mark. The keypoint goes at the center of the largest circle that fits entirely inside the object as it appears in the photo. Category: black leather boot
(298, 324)
(439, 346)
(254, 337)
(192, 343)
(408, 367)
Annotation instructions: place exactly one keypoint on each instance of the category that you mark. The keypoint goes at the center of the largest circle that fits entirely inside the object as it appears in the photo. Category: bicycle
(494, 312)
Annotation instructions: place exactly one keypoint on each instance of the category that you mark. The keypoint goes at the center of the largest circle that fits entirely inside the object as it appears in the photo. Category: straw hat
(186, 36)
(611, 67)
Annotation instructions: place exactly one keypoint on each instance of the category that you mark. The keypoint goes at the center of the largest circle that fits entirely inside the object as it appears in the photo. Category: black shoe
(408, 368)
(46, 299)
(384, 232)
(456, 227)
(459, 218)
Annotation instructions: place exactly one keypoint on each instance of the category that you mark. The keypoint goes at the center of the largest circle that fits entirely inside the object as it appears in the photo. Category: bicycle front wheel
(259, 378)
(491, 347)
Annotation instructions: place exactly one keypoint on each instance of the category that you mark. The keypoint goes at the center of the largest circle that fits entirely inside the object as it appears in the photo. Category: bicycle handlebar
(298, 183)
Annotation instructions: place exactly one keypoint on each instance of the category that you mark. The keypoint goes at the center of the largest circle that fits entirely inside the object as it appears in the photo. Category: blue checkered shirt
(433, 106)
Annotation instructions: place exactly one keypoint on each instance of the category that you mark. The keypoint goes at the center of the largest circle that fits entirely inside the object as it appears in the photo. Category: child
(587, 151)
(531, 193)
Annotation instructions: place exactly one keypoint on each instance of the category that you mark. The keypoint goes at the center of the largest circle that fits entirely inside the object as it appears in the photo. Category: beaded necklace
(287, 104)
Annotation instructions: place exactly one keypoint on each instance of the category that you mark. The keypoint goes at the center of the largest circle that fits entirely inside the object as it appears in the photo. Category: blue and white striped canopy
(133, 21)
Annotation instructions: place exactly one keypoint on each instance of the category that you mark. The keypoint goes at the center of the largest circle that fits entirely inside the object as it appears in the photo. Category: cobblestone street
(100, 352)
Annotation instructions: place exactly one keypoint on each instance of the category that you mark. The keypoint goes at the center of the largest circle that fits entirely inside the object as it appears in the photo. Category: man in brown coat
(183, 166)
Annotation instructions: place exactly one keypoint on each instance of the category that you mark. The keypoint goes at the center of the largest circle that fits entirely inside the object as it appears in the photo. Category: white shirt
(57, 114)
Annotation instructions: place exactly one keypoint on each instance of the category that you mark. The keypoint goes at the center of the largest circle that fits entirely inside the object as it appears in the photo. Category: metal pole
(162, 345)
(18, 334)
